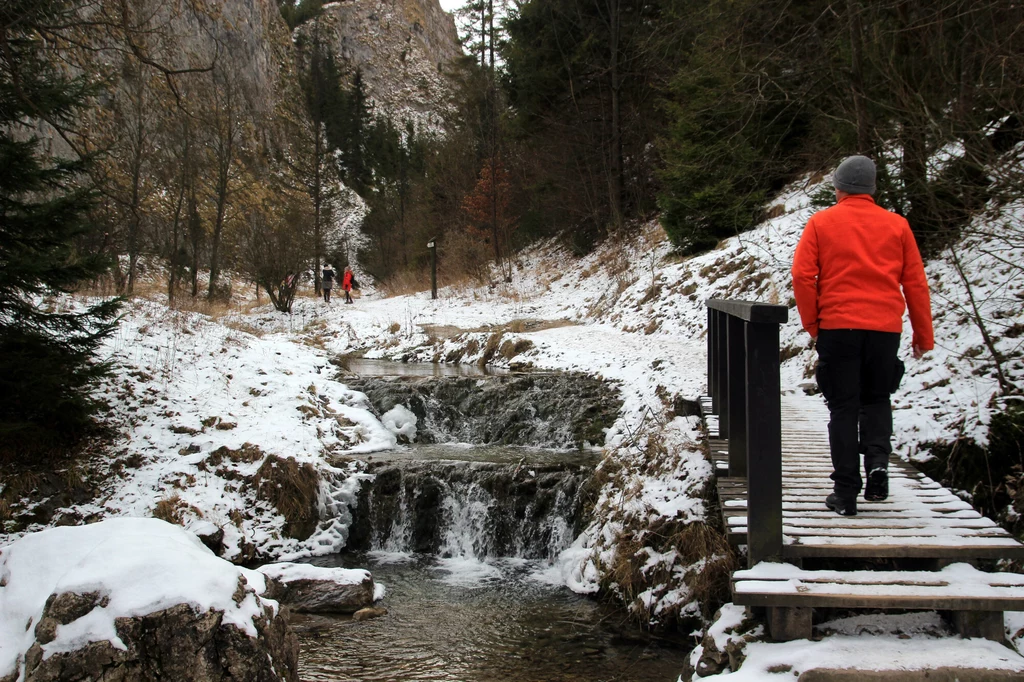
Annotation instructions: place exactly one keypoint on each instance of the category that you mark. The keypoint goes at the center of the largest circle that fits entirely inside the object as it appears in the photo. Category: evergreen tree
(47, 356)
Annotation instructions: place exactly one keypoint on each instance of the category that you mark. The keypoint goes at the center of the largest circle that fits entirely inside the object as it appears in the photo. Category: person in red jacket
(346, 284)
(856, 269)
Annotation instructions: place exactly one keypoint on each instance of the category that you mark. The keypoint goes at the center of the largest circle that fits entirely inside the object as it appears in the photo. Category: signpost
(432, 245)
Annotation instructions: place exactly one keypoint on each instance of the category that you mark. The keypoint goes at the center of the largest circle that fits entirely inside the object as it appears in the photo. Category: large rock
(314, 589)
(135, 599)
(178, 644)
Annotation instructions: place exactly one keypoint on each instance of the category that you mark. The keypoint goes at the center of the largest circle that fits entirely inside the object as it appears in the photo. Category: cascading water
(478, 510)
(464, 537)
(551, 410)
(484, 510)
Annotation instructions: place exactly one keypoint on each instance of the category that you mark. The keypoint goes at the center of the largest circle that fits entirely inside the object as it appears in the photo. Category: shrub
(293, 489)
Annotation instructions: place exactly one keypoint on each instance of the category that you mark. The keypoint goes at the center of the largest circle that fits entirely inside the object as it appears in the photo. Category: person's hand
(918, 353)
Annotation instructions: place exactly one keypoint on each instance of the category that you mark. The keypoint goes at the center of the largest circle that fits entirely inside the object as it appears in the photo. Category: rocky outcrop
(178, 643)
(313, 589)
(551, 410)
(403, 48)
(135, 599)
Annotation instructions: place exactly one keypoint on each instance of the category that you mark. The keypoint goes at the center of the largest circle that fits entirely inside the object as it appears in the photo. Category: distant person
(328, 283)
(848, 271)
(286, 285)
(346, 283)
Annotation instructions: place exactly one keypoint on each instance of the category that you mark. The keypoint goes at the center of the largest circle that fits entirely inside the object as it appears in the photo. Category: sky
(449, 5)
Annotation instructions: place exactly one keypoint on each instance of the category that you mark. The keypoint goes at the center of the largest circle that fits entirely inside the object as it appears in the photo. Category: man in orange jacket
(848, 271)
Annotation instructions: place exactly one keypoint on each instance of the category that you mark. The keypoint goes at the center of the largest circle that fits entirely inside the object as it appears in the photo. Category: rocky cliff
(403, 48)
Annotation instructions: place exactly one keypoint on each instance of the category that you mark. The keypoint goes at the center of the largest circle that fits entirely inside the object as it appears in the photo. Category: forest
(126, 143)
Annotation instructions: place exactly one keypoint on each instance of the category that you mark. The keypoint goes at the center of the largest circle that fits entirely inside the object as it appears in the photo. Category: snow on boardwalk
(920, 519)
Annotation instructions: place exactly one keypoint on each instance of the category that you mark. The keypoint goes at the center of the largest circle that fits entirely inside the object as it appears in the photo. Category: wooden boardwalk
(920, 519)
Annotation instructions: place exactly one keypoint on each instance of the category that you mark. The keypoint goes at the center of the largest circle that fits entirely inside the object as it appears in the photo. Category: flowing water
(368, 367)
(461, 620)
(465, 537)
(477, 502)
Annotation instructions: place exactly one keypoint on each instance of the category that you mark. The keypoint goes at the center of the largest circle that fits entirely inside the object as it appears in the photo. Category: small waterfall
(470, 509)
(547, 410)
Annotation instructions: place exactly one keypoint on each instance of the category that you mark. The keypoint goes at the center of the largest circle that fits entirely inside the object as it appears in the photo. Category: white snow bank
(140, 565)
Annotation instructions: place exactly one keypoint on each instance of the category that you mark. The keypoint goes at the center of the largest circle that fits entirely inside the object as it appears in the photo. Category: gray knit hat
(855, 175)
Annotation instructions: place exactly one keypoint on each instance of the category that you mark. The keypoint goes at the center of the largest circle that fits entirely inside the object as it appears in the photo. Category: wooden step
(790, 593)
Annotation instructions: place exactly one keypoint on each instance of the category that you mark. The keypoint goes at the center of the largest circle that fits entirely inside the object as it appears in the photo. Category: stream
(468, 621)
(463, 528)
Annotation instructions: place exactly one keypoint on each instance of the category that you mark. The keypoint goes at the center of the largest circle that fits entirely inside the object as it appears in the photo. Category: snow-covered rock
(400, 421)
(315, 589)
(133, 599)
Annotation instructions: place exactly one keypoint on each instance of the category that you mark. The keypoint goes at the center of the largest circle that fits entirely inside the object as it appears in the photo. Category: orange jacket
(849, 266)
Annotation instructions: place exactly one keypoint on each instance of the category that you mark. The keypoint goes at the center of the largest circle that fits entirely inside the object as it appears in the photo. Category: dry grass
(490, 348)
(510, 349)
(173, 509)
(404, 283)
(246, 454)
(293, 489)
(695, 543)
(518, 326)
(653, 292)
(151, 284)
(243, 326)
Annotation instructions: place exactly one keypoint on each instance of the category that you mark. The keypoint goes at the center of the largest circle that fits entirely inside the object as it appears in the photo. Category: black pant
(348, 296)
(857, 371)
(327, 294)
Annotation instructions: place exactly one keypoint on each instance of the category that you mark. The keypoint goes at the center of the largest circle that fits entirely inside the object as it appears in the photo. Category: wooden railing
(743, 383)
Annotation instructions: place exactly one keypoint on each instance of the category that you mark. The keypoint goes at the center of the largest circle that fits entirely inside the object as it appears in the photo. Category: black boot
(841, 506)
(877, 488)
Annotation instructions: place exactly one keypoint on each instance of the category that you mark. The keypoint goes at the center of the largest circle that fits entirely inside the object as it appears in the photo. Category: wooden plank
(911, 548)
(958, 587)
(879, 601)
(881, 530)
(931, 531)
(737, 517)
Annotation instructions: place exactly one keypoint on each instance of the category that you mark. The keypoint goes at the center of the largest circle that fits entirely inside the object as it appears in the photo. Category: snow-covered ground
(188, 385)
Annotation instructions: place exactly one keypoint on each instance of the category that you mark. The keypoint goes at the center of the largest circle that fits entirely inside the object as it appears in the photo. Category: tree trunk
(172, 278)
(857, 77)
(483, 37)
(135, 219)
(318, 154)
(195, 228)
(615, 175)
(218, 229)
(490, 20)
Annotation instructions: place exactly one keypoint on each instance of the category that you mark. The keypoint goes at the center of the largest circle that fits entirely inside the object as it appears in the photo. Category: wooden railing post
(736, 402)
(722, 334)
(764, 444)
(716, 352)
(743, 366)
(712, 373)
